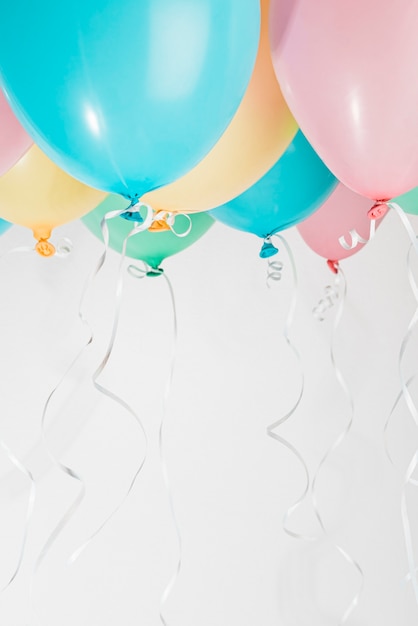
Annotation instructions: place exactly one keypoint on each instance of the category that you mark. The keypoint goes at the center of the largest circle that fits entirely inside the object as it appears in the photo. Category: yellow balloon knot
(45, 248)
(158, 226)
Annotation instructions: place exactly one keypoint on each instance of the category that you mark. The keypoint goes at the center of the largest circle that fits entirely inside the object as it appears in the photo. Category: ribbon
(405, 393)
(340, 294)
(356, 239)
(63, 468)
(139, 273)
(271, 428)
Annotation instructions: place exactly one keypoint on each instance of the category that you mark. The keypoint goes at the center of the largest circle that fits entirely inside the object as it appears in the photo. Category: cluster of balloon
(340, 227)
(336, 86)
(127, 97)
(288, 193)
(147, 246)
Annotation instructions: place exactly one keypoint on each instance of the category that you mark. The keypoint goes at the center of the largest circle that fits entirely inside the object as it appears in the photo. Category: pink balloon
(343, 214)
(13, 140)
(348, 70)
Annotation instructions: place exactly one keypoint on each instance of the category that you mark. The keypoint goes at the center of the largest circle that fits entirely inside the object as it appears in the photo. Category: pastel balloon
(13, 139)
(260, 131)
(36, 193)
(342, 215)
(409, 201)
(127, 95)
(148, 246)
(348, 71)
(290, 191)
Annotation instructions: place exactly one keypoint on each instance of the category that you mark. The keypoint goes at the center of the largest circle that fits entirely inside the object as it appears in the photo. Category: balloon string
(140, 273)
(274, 271)
(63, 468)
(166, 593)
(340, 278)
(140, 227)
(356, 239)
(271, 428)
(170, 220)
(405, 393)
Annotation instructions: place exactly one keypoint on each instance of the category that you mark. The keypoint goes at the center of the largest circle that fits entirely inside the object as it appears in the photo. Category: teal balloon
(408, 201)
(127, 95)
(148, 246)
(291, 190)
(4, 226)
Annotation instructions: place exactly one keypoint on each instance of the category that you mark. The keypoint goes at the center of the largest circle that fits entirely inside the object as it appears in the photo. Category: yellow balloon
(259, 133)
(36, 193)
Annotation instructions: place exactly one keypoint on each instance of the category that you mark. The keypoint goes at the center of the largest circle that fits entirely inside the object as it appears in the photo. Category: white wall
(231, 484)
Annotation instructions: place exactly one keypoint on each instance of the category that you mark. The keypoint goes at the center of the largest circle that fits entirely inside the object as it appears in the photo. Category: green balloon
(151, 247)
(409, 201)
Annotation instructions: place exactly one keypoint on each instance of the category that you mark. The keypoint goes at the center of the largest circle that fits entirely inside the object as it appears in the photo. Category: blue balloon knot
(268, 249)
(132, 216)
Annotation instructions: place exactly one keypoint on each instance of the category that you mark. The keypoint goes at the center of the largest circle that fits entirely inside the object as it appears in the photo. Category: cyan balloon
(151, 247)
(4, 226)
(291, 190)
(127, 95)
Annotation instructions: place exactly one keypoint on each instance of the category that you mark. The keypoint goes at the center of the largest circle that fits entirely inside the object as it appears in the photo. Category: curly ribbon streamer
(405, 393)
(356, 239)
(139, 227)
(170, 218)
(274, 271)
(338, 441)
(139, 273)
(327, 302)
(271, 428)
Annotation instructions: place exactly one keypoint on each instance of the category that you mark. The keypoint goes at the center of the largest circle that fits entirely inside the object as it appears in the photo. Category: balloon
(127, 95)
(409, 201)
(343, 214)
(4, 226)
(148, 246)
(290, 191)
(348, 71)
(36, 193)
(13, 140)
(260, 131)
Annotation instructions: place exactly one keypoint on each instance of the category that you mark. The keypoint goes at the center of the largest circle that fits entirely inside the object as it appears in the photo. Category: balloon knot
(159, 226)
(333, 266)
(378, 210)
(268, 249)
(45, 248)
(155, 271)
(132, 216)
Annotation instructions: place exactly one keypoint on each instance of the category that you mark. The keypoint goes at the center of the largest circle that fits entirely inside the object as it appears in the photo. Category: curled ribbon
(271, 428)
(139, 227)
(140, 273)
(405, 393)
(339, 294)
(356, 239)
(326, 303)
(274, 271)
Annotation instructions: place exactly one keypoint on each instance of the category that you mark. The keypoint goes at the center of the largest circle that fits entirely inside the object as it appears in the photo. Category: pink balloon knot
(333, 266)
(378, 210)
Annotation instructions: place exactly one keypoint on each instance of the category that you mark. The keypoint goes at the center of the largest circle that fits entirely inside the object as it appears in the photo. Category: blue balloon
(294, 188)
(4, 226)
(127, 95)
